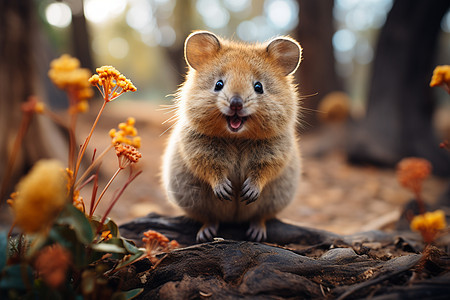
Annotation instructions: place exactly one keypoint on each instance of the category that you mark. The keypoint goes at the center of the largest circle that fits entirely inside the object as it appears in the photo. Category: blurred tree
(18, 81)
(400, 104)
(316, 73)
(81, 42)
(183, 24)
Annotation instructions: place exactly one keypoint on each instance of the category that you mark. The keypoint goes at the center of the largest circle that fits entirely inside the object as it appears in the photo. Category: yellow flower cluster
(66, 74)
(113, 82)
(441, 76)
(41, 195)
(127, 134)
(429, 224)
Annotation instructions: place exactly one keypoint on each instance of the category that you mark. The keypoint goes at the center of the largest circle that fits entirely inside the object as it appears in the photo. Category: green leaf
(131, 259)
(108, 248)
(78, 221)
(108, 225)
(133, 293)
(3, 248)
(131, 248)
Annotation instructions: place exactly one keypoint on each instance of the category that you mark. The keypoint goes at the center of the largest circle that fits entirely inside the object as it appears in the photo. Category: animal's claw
(224, 190)
(250, 191)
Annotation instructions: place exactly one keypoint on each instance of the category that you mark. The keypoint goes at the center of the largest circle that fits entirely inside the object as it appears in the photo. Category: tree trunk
(316, 74)
(19, 80)
(80, 38)
(400, 105)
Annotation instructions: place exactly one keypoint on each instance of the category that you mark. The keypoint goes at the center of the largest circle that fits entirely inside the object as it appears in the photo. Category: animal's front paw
(207, 232)
(224, 190)
(250, 191)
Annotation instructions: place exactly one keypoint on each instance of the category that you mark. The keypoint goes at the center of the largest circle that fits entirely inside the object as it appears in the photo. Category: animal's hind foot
(207, 232)
(257, 231)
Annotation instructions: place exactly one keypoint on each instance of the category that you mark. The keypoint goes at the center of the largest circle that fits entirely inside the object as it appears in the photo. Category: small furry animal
(233, 155)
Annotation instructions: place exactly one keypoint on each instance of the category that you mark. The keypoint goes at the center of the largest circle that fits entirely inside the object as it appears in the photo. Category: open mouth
(235, 122)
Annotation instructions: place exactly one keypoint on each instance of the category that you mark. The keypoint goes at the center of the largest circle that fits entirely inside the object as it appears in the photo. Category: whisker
(168, 129)
(311, 110)
(170, 119)
(306, 97)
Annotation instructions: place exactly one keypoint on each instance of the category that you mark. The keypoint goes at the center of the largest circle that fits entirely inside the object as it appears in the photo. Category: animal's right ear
(200, 47)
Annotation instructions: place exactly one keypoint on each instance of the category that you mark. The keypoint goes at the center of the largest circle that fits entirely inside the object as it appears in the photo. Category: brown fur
(205, 157)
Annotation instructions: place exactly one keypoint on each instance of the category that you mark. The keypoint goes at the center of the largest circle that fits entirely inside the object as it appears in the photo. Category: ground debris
(295, 263)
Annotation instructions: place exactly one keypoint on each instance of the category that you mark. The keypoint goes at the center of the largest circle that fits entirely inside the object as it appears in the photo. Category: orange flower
(52, 264)
(441, 76)
(66, 74)
(126, 134)
(41, 195)
(412, 171)
(429, 224)
(113, 83)
(127, 155)
(156, 243)
(106, 235)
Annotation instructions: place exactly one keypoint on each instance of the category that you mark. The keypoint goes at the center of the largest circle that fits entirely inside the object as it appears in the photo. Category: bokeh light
(213, 13)
(344, 40)
(140, 16)
(118, 47)
(282, 13)
(58, 14)
(237, 5)
(445, 23)
(99, 11)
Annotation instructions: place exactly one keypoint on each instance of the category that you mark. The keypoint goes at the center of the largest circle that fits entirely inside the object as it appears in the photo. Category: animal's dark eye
(258, 87)
(218, 86)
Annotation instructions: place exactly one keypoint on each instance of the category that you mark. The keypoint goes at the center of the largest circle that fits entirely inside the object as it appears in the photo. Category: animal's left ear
(286, 52)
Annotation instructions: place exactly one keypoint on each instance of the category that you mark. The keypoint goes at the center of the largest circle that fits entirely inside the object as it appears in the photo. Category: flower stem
(24, 125)
(86, 142)
(106, 187)
(117, 196)
(93, 164)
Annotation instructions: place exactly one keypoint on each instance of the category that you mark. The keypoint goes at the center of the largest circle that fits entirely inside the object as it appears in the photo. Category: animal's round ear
(200, 47)
(286, 52)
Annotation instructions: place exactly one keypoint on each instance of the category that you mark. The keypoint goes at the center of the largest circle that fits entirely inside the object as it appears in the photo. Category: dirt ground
(333, 195)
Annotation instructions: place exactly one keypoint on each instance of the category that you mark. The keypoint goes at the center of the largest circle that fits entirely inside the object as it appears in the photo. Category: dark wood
(313, 264)
(400, 103)
(316, 75)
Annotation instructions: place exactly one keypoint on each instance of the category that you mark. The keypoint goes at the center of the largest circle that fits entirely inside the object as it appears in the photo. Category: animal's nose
(236, 103)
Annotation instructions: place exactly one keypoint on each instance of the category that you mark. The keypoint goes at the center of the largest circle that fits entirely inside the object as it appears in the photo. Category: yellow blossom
(127, 134)
(112, 83)
(429, 224)
(41, 195)
(106, 235)
(39, 108)
(78, 201)
(66, 74)
(441, 76)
